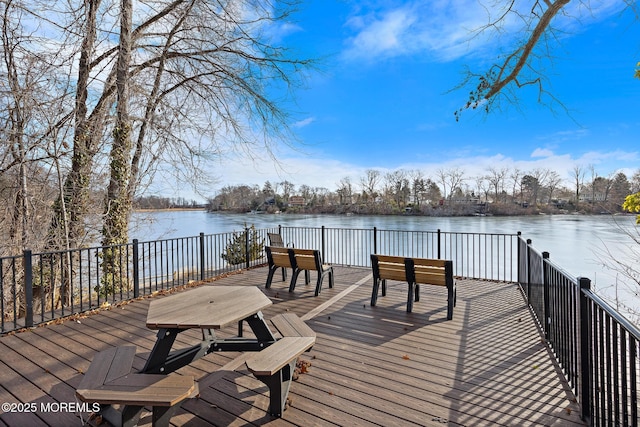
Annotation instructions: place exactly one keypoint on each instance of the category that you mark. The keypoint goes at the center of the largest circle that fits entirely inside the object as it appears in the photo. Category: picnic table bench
(414, 271)
(109, 380)
(275, 365)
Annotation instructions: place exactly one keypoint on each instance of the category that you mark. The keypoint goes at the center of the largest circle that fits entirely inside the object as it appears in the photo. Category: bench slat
(290, 325)
(142, 390)
(429, 278)
(429, 262)
(392, 273)
(108, 365)
(305, 262)
(281, 260)
(273, 358)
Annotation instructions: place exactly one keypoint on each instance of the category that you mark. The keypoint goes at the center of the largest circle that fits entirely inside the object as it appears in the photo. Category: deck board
(371, 366)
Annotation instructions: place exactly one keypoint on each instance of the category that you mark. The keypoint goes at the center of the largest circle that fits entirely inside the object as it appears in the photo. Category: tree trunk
(118, 202)
(71, 206)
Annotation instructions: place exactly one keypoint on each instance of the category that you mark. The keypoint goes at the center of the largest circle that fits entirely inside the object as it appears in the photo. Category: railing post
(246, 247)
(519, 255)
(322, 243)
(585, 350)
(28, 287)
(439, 244)
(202, 256)
(375, 240)
(545, 295)
(136, 269)
(528, 271)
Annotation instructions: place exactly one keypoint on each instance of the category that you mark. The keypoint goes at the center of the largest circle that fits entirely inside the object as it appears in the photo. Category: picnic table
(109, 381)
(206, 308)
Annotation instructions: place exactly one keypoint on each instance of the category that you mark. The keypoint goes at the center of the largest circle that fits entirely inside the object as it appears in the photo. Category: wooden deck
(371, 366)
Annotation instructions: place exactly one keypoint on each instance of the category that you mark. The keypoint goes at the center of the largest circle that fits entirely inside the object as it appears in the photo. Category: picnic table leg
(128, 416)
(162, 414)
(279, 384)
(160, 351)
(260, 328)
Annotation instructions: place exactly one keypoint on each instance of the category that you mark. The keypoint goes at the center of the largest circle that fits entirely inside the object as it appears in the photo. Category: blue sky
(382, 97)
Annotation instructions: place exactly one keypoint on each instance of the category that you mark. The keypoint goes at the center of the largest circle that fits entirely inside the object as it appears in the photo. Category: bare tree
(496, 178)
(553, 179)
(517, 183)
(523, 63)
(578, 179)
(369, 184)
(345, 191)
(450, 179)
(397, 187)
(200, 78)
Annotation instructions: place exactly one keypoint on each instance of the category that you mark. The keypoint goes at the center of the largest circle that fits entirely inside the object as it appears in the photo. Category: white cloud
(541, 152)
(445, 30)
(304, 122)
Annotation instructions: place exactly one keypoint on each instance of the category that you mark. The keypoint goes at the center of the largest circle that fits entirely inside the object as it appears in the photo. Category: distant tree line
(156, 202)
(498, 191)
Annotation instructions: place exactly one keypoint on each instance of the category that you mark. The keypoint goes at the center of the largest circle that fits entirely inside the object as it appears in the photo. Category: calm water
(575, 243)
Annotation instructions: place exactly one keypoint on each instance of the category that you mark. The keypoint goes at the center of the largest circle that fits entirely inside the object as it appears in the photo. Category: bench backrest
(278, 256)
(275, 239)
(416, 270)
(387, 267)
(307, 259)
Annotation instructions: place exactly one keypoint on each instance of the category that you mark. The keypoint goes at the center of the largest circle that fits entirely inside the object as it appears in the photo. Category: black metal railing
(597, 348)
(475, 255)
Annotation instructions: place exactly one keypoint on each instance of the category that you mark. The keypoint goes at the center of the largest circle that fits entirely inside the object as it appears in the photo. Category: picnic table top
(206, 307)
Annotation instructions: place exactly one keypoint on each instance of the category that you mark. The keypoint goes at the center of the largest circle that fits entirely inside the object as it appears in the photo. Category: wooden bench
(109, 380)
(275, 365)
(275, 240)
(414, 271)
(277, 257)
(309, 260)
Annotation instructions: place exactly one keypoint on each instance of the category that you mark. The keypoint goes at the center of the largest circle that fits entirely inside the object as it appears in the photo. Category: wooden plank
(391, 273)
(211, 307)
(305, 262)
(429, 262)
(277, 355)
(370, 366)
(108, 365)
(143, 390)
(429, 278)
(290, 325)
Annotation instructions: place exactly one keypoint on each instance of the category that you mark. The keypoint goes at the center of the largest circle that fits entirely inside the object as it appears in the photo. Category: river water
(578, 244)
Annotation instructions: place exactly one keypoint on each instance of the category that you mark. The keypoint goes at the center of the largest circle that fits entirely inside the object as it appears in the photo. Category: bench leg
(279, 384)
(410, 297)
(284, 274)
(272, 270)
(294, 278)
(451, 301)
(374, 293)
